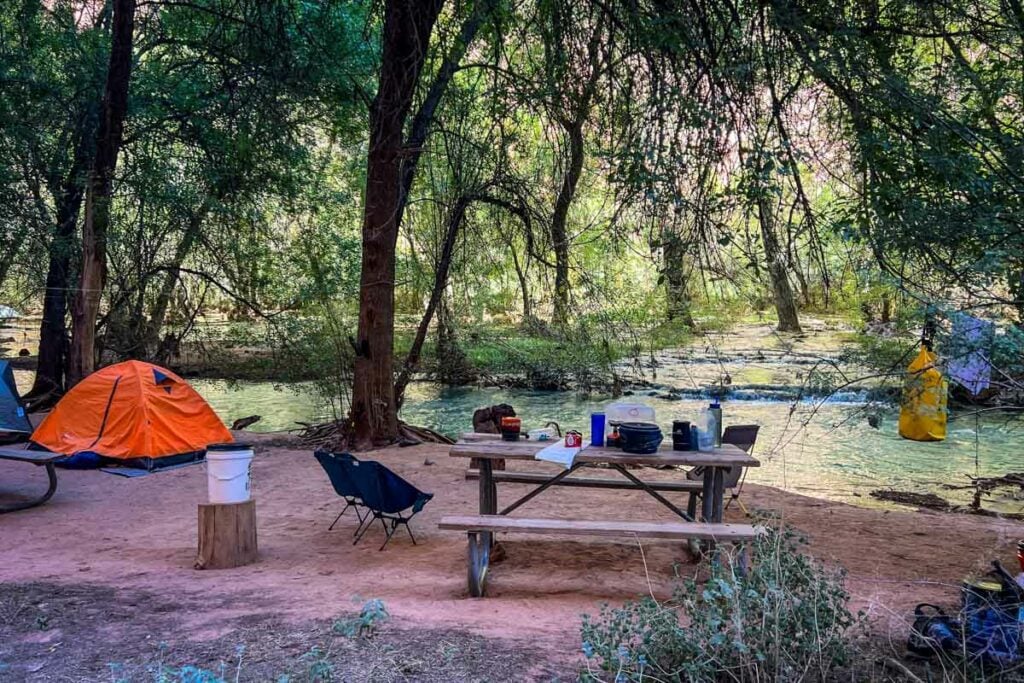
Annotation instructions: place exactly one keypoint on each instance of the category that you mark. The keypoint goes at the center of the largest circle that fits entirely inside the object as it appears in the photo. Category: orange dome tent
(135, 414)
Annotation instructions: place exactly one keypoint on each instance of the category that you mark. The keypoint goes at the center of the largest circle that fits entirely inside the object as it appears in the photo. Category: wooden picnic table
(487, 449)
(43, 458)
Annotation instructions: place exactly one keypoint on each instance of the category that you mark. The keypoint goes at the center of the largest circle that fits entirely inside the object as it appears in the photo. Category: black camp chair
(741, 436)
(387, 496)
(342, 483)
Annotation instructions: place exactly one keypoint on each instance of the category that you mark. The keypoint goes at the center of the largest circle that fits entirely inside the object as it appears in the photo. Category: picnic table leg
(481, 542)
(707, 496)
(707, 499)
(718, 509)
(479, 556)
(488, 489)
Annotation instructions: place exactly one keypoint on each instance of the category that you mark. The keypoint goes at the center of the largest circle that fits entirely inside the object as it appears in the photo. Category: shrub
(785, 619)
(371, 616)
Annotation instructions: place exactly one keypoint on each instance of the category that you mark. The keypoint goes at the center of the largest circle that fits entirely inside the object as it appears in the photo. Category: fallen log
(921, 500)
(930, 501)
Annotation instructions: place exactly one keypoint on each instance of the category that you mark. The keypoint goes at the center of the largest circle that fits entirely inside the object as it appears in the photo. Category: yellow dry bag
(923, 409)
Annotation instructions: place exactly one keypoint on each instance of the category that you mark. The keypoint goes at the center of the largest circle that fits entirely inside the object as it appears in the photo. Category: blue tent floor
(133, 472)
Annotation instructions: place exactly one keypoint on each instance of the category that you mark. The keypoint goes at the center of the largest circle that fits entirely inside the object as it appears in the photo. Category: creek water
(817, 445)
(821, 449)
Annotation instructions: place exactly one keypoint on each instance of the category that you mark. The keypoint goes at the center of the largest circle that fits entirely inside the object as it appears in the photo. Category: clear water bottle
(705, 431)
(716, 415)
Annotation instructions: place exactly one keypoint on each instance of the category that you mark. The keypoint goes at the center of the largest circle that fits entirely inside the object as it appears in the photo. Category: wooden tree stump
(227, 535)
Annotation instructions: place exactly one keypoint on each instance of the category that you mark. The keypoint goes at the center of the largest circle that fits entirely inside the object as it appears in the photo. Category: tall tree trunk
(441, 269)
(158, 311)
(794, 264)
(408, 25)
(53, 329)
(99, 191)
(677, 294)
(560, 219)
(452, 361)
(423, 120)
(775, 258)
(524, 283)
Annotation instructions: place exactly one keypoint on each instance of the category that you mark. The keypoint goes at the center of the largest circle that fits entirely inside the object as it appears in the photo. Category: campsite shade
(129, 411)
(12, 412)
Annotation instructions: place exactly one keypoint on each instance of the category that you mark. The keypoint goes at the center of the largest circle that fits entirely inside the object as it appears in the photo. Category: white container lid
(628, 412)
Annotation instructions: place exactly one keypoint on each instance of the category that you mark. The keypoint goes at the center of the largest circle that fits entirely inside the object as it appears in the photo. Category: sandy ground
(140, 535)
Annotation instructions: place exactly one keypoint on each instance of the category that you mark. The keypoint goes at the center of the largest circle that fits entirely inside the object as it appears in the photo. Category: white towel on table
(558, 453)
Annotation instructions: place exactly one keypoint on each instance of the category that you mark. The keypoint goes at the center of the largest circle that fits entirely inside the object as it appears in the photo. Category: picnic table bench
(485, 450)
(44, 458)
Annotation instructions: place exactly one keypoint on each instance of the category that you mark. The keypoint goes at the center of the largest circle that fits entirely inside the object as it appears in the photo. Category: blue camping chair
(387, 496)
(342, 483)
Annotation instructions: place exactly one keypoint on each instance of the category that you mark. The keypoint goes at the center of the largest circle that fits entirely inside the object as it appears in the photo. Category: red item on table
(573, 439)
(510, 428)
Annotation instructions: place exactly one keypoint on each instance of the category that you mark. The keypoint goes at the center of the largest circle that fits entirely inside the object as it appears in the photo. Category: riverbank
(126, 546)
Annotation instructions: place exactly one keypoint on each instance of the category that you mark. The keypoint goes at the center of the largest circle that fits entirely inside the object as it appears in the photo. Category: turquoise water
(822, 449)
(827, 450)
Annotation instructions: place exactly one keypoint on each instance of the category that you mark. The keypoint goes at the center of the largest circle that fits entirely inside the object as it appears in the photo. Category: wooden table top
(495, 449)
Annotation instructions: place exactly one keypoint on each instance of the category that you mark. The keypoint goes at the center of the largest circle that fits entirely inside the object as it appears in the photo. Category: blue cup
(597, 429)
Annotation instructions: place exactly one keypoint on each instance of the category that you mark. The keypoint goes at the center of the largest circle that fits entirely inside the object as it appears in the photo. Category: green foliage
(321, 670)
(159, 672)
(785, 619)
(882, 143)
(372, 615)
(542, 363)
(882, 354)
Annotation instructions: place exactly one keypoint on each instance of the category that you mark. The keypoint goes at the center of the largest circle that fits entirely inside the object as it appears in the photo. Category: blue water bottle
(597, 429)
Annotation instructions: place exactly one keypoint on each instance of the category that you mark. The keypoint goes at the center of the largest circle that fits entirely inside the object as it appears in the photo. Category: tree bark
(422, 121)
(560, 219)
(408, 25)
(53, 329)
(158, 311)
(436, 295)
(524, 284)
(775, 258)
(677, 295)
(99, 191)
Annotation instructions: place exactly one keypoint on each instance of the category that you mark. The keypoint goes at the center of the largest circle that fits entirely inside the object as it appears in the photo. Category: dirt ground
(103, 573)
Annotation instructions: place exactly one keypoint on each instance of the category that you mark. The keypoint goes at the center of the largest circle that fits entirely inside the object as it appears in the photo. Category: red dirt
(141, 534)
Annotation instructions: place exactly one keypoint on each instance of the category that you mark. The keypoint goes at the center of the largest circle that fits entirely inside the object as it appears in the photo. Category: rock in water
(244, 422)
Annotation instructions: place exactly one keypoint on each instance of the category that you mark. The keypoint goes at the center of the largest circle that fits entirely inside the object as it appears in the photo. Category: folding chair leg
(409, 529)
(363, 529)
(331, 527)
(743, 507)
(388, 533)
(365, 520)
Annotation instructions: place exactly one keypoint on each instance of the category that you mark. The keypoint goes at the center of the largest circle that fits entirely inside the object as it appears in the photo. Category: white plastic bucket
(228, 470)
